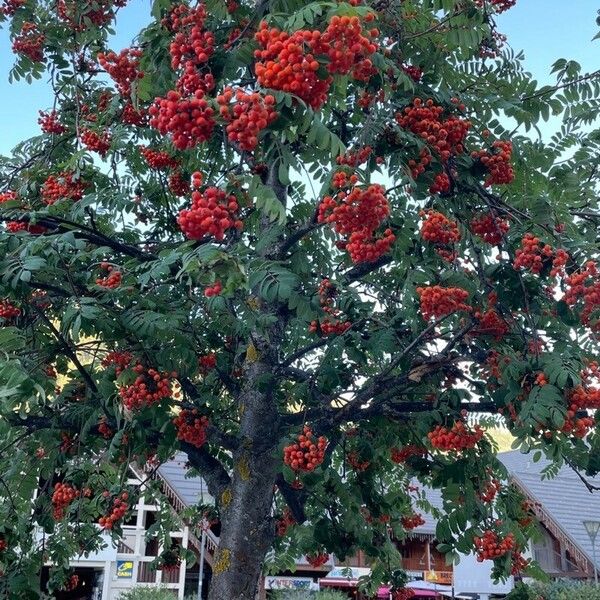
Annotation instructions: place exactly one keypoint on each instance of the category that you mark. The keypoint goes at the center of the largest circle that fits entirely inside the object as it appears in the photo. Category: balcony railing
(552, 561)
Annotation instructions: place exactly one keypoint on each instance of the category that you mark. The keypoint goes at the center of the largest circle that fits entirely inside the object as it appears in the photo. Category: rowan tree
(318, 247)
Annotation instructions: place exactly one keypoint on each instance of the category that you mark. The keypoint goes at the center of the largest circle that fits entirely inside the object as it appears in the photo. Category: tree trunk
(247, 527)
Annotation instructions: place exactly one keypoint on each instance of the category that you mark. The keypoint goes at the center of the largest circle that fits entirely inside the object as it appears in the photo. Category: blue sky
(545, 29)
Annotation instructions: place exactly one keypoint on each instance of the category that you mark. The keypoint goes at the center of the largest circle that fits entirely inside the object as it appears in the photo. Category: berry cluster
(357, 213)
(8, 311)
(355, 461)
(96, 142)
(104, 430)
(584, 286)
(437, 301)
(444, 136)
(207, 362)
(118, 511)
(131, 116)
(30, 42)
(10, 7)
(192, 44)
(490, 491)
(71, 584)
(441, 184)
(331, 325)
(458, 438)
(249, 115)
(149, 387)
(490, 546)
(62, 496)
(283, 64)
(497, 163)
(284, 522)
(490, 228)
(123, 68)
(317, 560)
(120, 359)
(191, 427)
(533, 255)
(189, 121)
(354, 158)
(179, 184)
(490, 323)
(63, 185)
(212, 214)
(307, 453)
(438, 229)
(3, 544)
(50, 123)
(213, 290)
(158, 159)
(412, 521)
(112, 280)
(415, 73)
(99, 12)
(401, 455)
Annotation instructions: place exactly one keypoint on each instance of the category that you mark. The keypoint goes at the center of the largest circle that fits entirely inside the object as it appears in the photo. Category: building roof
(565, 497)
(190, 490)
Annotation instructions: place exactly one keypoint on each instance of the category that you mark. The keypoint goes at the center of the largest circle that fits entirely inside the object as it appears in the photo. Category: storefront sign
(441, 577)
(290, 583)
(124, 569)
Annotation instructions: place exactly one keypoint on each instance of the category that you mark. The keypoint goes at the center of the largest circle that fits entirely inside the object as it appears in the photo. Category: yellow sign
(124, 569)
(441, 577)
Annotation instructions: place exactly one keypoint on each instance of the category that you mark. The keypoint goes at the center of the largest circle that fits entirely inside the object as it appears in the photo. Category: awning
(338, 582)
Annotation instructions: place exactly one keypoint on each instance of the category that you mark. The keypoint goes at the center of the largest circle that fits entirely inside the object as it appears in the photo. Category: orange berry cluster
(120, 359)
(490, 323)
(249, 115)
(456, 439)
(189, 121)
(317, 560)
(178, 184)
(62, 496)
(112, 280)
(444, 136)
(490, 491)
(158, 159)
(213, 290)
(71, 584)
(415, 73)
(441, 184)
(401, 455)
(490, 228)
(8, 310)
(49, 123)
(283, 64)
(490, 546)
(10, 7)
(104, 430)
(30, 42)
(356, 214)
(412, 521)
(356, 462)
(497, 162)
(307, 453)
(284, 522)
(207, 362)
(8, 196)
(99, 12)
(584, 285)
(149, 387)
(192, 44)
(212, 214)
(191, 427)
(533, 254)
(437, 301)
(17, 226)
(438, 229)
(354, 158)
(96, 142)
(119, 509)
(331, 325)
(131, 116)
(60, 186)
(123, 68)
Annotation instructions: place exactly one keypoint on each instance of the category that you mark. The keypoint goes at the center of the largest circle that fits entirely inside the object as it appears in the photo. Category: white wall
(475, 577)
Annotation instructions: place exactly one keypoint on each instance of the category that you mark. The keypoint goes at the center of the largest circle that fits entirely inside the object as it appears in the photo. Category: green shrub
(557, 590)
(147, 593)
